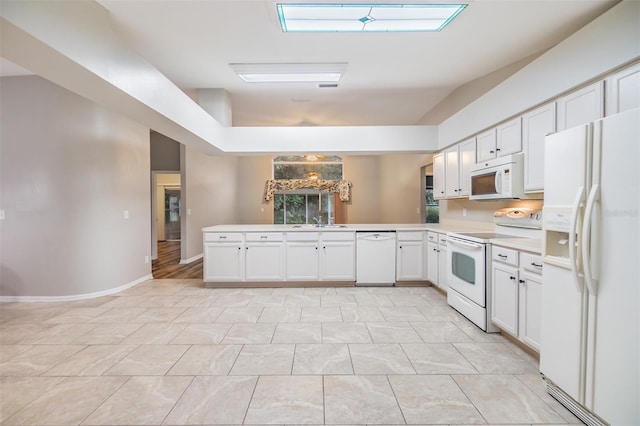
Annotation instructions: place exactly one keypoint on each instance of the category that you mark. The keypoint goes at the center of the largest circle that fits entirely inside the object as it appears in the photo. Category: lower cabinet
(223, 257)
(410, 256)
(437, 259)
(328, 256)
(516, 289)
(303, 259)
(338, 256)
(264, 257)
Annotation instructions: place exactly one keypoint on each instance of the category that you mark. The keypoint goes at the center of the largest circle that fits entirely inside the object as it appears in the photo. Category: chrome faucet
(318, 220)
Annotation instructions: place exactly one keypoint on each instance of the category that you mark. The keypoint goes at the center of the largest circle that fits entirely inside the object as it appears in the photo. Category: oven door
(466, 272)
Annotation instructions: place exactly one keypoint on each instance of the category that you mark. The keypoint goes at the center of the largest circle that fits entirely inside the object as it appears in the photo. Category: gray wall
(69, 170)
(165, 153)
(209, 191)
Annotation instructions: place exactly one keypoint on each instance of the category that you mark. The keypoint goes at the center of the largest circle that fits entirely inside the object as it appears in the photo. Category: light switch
(126, 214)
(188, 212)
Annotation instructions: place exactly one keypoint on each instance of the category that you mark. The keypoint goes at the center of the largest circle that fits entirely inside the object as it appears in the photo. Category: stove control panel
(518, 217)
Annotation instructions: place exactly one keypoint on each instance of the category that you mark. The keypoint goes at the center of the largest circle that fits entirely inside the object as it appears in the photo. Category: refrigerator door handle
(590, 280)
(573, 229)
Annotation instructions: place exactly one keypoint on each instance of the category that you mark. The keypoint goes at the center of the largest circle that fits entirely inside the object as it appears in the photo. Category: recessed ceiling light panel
(289, 73)
(365, 17)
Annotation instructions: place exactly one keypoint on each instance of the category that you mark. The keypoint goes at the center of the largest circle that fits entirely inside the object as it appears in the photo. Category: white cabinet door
(409, 261)
(504, 297)
(302, 261)
(536, 125)
(509, 137)
(442, 264)
(486, 145)
(580, 107)
(264, 261)
(466, 160)
(530, 309)
(432, 257)
(452, 169)
(338, 261)
(623, 90)
(223, 262)
(438, 176)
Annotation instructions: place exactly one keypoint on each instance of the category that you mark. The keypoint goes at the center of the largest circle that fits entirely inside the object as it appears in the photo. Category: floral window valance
(342, 187)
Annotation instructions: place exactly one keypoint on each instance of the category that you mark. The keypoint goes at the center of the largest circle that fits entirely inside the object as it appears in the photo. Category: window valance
(342, 187)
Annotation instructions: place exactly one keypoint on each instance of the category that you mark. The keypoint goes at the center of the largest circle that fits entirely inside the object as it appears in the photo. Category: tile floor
(172, 352)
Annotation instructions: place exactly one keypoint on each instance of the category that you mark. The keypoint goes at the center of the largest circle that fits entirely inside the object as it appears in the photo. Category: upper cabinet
(580, 107)
(623, 90)
(503, 140)
(536, 125)
(509, 137)
(438, 176)
(487, 145)
(458, 161)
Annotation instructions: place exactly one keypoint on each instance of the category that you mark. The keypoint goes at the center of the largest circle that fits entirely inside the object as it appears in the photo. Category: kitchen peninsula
(308, 255)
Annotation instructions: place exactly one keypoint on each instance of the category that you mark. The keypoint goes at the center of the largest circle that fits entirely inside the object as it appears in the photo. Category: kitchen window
(305, 205)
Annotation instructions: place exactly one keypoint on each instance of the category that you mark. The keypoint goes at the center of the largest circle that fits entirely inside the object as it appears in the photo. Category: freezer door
(565, 165)
(613, 356)
(562, 331)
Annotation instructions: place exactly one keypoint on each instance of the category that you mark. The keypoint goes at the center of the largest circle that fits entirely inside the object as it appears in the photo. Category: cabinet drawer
(505, 255)
(223, 237)
(264, 236)
(432, 237)
(409, 236)
(338, 236)
(302, 236)
(531, 262)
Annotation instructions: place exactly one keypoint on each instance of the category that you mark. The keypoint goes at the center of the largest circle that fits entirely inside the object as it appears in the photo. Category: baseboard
(191, 259)
(74, 297)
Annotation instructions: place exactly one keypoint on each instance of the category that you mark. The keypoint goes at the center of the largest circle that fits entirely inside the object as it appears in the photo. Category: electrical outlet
(146, 259)
(126, 214)
(188, 212)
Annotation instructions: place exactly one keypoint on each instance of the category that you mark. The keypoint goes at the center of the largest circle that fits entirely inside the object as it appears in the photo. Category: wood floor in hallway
(168, 263)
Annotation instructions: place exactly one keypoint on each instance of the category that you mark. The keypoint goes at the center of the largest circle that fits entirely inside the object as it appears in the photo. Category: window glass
(304, 206)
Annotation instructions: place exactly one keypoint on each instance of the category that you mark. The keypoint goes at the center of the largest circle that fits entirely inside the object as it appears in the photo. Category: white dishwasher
(375, 258)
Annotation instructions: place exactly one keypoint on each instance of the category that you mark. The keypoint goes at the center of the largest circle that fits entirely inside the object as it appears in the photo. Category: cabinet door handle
(497, 149)
(400, 246)
(316, 248)
(503, 256)
(491, 152)
(537, 265)
(521, 281)
(512, 278)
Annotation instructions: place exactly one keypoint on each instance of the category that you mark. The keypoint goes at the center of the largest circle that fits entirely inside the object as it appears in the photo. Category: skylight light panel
(366, 17)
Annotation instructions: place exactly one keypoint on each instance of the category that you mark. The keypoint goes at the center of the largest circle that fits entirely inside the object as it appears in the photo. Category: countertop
(433, 227)
(533, 245)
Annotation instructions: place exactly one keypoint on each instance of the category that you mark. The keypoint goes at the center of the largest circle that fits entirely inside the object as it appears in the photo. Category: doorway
(166, 200)
(171, 215)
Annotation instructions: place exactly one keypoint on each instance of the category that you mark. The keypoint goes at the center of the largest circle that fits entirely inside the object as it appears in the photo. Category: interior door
(172, 213)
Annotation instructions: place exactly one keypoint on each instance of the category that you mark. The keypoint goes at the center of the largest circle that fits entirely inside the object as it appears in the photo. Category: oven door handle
(464, 243)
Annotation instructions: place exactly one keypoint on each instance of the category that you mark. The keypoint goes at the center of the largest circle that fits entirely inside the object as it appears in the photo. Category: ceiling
(390, 79)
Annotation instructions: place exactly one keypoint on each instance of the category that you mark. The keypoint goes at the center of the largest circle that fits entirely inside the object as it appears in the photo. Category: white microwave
(498, 179)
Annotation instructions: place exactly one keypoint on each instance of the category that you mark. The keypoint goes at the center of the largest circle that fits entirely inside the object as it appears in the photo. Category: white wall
(69, 170)
(252, 174)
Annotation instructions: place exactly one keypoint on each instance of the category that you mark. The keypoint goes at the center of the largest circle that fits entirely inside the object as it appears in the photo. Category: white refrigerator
(590, 340)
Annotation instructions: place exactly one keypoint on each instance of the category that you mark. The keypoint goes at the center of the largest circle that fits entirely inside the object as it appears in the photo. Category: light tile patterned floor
(173, 352)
